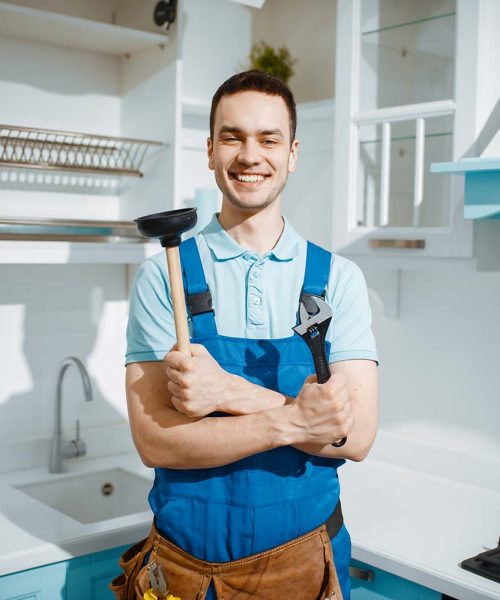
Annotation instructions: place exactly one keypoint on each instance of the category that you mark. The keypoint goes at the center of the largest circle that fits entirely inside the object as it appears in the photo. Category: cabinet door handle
(363, 574)
(387, 243)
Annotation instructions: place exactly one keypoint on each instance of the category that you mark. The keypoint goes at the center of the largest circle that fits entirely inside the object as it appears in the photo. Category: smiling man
(246, 495)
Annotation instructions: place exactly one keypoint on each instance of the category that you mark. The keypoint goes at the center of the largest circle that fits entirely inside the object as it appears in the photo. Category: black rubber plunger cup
(168, 227)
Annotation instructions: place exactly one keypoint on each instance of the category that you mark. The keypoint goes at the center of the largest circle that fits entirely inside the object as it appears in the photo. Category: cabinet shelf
(35, 25)
(433, 36)
(58, 253)
(47, 149)
(407, 137)
(69, 230)
(61, 241)
(482, 183)
(408, 23)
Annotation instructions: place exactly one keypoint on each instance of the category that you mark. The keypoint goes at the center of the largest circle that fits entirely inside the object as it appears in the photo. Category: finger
(198, 350)
(177, 403)
(174, 375)
(177, 360)
(311, 379)
(174, 389)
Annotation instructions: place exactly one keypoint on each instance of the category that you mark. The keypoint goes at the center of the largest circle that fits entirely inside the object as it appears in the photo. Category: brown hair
(256, 81)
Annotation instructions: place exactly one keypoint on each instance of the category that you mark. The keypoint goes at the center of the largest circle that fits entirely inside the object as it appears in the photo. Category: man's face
(250, 152)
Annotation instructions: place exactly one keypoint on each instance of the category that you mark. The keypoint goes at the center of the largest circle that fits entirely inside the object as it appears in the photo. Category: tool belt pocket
(130, 562)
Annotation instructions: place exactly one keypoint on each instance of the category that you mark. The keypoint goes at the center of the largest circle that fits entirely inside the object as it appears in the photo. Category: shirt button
(257, 300)
(256, 275)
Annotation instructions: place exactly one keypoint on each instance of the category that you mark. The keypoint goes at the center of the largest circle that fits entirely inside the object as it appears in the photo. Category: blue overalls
(226, 513)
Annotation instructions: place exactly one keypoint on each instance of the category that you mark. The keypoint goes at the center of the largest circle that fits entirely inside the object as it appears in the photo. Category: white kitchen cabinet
(410, 91)
(99, 68)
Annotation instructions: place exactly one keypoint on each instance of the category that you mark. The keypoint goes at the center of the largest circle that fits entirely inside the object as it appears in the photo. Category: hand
(197, 382)
(322, 412)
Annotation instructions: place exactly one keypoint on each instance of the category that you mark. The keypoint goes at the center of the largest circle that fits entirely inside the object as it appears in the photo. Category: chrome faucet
(62, 448)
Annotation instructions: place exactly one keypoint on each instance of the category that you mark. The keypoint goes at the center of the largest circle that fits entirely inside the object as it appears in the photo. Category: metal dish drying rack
(49, 149)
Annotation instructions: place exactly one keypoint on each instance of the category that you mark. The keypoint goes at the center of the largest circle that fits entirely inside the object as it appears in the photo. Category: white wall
(47, 313)
(295, 23)
(439, 361)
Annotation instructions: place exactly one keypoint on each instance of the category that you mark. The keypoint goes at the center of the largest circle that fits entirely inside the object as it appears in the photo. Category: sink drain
(107, 489)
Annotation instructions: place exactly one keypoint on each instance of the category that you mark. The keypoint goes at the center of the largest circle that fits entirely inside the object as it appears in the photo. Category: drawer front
(370, 583)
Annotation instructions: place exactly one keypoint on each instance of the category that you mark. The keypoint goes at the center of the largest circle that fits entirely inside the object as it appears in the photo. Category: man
(240, 433)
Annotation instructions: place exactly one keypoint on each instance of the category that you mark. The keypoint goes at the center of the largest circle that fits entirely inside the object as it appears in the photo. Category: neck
(256, 231)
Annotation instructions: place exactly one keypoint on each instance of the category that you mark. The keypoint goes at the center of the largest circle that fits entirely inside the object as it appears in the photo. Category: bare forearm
(166, 436)
(244, 397)
(213, 441)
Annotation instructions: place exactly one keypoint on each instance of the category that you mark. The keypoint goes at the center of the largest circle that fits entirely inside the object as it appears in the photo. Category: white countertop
(420, 526)
(415, 525)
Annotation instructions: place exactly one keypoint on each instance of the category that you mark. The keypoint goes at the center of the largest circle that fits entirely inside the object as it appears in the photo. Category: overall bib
(227, 513)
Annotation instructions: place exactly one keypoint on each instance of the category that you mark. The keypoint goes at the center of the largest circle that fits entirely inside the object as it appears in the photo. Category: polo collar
(224, 247)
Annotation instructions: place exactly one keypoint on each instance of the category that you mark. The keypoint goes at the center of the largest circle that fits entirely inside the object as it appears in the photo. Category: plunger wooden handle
(177, 291)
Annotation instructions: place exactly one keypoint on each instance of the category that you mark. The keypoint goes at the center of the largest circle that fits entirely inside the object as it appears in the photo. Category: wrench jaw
(318, 312)
(314, 322)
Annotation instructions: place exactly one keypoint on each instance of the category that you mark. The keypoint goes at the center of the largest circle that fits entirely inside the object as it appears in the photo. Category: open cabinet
(88, 125)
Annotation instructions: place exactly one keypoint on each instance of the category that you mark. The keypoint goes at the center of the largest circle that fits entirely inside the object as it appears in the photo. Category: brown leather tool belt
(300, 568)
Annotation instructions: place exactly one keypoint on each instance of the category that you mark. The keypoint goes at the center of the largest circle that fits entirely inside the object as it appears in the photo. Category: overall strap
(198, 297)
(317, 270)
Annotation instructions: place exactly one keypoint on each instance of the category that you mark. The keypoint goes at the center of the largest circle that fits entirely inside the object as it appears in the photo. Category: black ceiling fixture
(165, 13)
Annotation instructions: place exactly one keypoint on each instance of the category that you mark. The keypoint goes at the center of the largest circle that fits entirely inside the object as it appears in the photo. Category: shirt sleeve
(150, 328)
(350, 333)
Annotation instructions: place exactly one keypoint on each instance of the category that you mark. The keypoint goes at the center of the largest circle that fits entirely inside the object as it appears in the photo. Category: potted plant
(264, 57)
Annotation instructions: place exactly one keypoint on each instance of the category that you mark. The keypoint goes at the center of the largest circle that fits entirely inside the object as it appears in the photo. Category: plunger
(168, 227)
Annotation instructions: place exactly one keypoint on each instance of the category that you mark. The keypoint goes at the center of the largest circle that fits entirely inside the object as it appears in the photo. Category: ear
(210, 153)
(292, 159)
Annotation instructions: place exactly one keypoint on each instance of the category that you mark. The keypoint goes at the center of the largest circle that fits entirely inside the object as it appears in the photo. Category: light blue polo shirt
(254, 296)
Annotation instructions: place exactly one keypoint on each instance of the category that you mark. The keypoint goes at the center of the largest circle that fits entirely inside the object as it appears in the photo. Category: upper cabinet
(408, 94)
(88, 123)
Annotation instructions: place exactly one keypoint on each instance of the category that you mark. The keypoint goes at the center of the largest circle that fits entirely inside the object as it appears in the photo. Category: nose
(248, 153)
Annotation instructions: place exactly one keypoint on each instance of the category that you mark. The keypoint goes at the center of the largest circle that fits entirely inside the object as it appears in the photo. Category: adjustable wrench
(315, 316)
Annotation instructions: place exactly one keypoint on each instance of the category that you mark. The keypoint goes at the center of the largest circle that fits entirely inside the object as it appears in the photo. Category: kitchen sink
(93, 497)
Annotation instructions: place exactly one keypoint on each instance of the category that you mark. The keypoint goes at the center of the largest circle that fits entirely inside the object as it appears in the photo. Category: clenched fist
(321, 413)
(197, 383)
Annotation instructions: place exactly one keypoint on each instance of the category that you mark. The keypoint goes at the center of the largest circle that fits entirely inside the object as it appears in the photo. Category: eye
(270, 142)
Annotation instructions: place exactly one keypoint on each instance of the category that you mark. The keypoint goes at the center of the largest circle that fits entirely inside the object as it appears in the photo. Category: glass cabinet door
(407, 52)
(406, 206)
(396, 78)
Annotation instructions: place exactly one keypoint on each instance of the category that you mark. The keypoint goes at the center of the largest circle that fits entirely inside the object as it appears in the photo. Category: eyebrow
(229, 129)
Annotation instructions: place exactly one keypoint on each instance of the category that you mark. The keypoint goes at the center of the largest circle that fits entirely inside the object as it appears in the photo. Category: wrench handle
(323, 373)
(317, 346)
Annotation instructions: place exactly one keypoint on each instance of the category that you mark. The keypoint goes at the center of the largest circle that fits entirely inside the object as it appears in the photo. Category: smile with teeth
(249, 178)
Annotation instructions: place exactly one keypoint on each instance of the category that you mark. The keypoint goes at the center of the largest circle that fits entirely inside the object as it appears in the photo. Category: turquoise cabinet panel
(82, 578)
(87, 578)
(46, 583)
(386, 586)
(103, 568)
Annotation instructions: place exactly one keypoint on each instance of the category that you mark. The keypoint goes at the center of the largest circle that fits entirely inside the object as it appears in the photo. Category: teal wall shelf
(482, 185)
